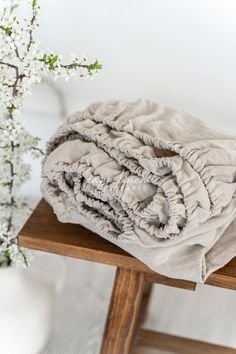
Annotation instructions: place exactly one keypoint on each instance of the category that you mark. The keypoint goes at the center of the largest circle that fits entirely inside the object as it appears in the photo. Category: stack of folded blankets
(153, 180)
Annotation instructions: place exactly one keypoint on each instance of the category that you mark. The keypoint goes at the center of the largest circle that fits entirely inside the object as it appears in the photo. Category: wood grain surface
(44, 232)
(124, 312)
(177, 345)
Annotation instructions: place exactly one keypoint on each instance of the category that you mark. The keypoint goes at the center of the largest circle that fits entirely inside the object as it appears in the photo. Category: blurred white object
(27, 299)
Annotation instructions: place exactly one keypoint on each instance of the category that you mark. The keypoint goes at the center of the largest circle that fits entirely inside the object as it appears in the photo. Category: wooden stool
(132, 285)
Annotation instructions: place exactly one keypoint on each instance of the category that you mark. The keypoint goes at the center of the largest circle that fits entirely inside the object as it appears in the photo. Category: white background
(180, 53)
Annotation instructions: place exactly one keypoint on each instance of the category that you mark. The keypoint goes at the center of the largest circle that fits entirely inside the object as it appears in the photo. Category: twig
(37, 149)
(31, 30)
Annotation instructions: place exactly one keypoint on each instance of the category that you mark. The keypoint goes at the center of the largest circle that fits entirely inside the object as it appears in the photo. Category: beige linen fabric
(153, 180)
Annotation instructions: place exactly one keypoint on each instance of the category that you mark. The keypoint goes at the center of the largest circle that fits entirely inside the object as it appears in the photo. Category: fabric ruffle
(155, 181)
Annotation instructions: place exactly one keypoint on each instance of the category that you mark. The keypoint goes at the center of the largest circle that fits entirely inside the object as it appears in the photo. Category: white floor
(208, 314)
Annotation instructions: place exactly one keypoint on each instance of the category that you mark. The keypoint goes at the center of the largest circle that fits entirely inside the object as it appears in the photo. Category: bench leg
(124, 312)
(145, 301)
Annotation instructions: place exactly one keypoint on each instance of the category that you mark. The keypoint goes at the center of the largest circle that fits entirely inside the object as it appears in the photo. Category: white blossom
(23, 63)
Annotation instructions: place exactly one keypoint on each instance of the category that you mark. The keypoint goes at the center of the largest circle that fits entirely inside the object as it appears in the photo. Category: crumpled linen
(155, 181)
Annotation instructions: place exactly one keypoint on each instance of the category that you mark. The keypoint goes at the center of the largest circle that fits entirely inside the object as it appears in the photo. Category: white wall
(178, 52)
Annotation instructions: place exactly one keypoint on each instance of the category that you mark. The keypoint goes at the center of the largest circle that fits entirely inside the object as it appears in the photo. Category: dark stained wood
(176, 283)
(123, 316)
(44, 232)
(145, 301)
(224, 277)
(176, 345)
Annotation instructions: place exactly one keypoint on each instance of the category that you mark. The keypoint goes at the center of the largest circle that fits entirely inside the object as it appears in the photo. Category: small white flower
(23, 63)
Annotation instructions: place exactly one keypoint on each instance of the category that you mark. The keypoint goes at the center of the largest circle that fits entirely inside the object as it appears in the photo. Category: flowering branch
(23, 63)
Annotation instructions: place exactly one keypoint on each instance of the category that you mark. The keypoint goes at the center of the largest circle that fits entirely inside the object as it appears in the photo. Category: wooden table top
(45, 233)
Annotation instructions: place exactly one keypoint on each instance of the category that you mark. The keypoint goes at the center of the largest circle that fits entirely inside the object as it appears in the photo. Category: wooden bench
(132, 285)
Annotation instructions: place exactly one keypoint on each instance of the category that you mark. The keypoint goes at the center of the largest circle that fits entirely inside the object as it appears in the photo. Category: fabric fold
(155, 181)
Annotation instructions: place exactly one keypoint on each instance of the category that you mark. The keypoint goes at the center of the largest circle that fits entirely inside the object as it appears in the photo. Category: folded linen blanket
(155, 181)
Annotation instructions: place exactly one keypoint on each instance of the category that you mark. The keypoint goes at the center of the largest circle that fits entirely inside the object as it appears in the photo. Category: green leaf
(51, 60)
(54, 59)
(8, 30)
(34, 3)
(6, 184)
(94, 66)
(10, 109)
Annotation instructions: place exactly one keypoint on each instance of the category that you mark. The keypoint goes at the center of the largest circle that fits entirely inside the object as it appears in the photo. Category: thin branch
(19, 77)
(37, 149)
(7, 85)
(74, 65)
(9, 146)
(9, 33)
(31, 30)
(9, 65)
(7, 204)
(17, 51)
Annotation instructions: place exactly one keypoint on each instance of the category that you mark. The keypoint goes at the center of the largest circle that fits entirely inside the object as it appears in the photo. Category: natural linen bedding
(155, 181)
